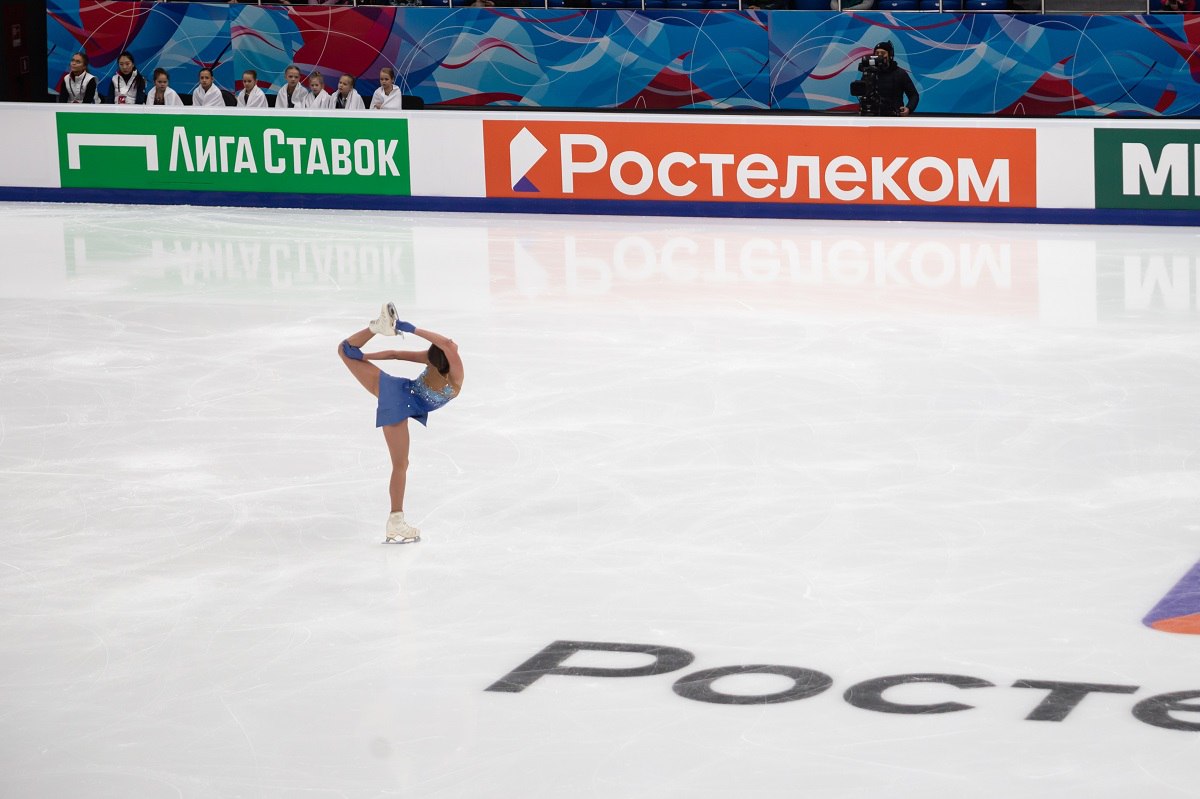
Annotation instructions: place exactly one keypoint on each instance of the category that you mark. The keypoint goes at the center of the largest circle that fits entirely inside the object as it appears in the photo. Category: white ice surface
(863, 449)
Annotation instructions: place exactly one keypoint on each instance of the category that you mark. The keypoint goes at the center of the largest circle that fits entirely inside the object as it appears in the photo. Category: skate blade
(401, 540)
(392, 313)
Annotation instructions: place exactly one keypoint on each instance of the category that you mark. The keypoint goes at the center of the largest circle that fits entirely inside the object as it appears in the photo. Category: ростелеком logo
(1179, 610)
(523, 152)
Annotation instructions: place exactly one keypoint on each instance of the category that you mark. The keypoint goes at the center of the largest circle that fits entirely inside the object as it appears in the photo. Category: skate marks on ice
(873, 453)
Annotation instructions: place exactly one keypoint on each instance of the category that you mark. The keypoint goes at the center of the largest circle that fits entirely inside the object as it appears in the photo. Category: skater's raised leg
(350, 350)
(365, 372)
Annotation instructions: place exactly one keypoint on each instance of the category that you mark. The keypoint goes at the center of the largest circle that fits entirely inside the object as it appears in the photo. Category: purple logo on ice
(1179, 610)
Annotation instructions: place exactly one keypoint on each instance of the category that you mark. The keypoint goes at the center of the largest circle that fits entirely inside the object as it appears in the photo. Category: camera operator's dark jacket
(894, 84)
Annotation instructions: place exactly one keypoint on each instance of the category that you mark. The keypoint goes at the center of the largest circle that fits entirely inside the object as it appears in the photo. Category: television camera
(866, 89)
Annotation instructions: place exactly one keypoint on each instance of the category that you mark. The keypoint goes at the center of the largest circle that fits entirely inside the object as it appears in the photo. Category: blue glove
(405, 327)
(353, 353)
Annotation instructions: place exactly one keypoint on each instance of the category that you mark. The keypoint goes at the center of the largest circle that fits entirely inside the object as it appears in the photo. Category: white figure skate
(385, 325)
(400, 531)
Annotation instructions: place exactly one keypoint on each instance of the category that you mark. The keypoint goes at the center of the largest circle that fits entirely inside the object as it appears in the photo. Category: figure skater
(401, 399)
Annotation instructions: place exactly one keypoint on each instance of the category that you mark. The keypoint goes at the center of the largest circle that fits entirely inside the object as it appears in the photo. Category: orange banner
(708, 162)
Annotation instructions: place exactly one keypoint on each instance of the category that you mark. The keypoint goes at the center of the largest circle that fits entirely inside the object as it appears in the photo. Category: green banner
(1151, 169)
(199, 151)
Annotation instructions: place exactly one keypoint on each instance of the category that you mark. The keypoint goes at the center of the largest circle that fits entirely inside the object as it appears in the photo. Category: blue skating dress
(401, 398)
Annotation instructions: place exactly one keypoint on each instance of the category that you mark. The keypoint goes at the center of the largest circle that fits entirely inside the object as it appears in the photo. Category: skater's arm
(396, 355)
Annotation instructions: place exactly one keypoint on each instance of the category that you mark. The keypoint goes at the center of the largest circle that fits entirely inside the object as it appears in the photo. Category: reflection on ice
(1055, 274)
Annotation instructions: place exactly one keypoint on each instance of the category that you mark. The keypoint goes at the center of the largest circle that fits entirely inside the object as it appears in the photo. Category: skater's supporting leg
(396, 436)
(399, 531)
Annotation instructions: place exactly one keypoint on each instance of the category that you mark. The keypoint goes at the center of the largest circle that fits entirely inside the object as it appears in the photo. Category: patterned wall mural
(179, 37)
(992, 64)
(1010, 65)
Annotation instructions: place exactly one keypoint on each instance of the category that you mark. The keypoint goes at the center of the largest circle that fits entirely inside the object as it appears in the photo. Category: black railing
(901, 6)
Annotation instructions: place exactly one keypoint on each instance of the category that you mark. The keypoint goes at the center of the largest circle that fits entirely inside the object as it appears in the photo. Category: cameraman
(893, 84)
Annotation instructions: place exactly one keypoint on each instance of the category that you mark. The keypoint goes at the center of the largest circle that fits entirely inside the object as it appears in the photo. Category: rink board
(680, 165)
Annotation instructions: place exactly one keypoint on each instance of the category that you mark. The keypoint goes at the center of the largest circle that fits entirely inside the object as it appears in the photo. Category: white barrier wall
(28, 146)
(615, 163)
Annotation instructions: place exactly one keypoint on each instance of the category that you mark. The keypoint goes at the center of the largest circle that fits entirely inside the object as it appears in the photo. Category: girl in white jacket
(162, 94)
(292, 95)
(251, 96)
(206, 94)
(387, 96)
(346, 97)
(321, 99)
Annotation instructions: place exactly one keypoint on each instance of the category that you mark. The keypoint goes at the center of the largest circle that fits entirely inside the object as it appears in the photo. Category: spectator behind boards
(206, 95)
(292, 95)
(345, 97)
(162, 94)
(78, 85)
(321, 99)
(387, 96)
(128, 85)
(251, 96)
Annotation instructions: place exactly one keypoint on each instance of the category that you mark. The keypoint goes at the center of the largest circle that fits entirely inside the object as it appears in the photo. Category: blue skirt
(398, 400)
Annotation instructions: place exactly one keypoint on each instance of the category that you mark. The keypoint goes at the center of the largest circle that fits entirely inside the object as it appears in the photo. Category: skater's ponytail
(438, 360)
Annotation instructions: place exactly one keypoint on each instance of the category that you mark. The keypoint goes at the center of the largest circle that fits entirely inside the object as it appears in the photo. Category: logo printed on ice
(1179, 610)
(232, 153)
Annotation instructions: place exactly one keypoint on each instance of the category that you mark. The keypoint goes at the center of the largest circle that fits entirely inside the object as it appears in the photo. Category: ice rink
(751, 469)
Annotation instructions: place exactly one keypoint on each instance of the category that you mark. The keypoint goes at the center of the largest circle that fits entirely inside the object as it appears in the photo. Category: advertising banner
(221, 152)
(761, 163)
(1148, 169)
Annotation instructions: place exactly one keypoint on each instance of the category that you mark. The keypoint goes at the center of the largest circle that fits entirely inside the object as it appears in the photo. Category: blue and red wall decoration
(969, 64)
